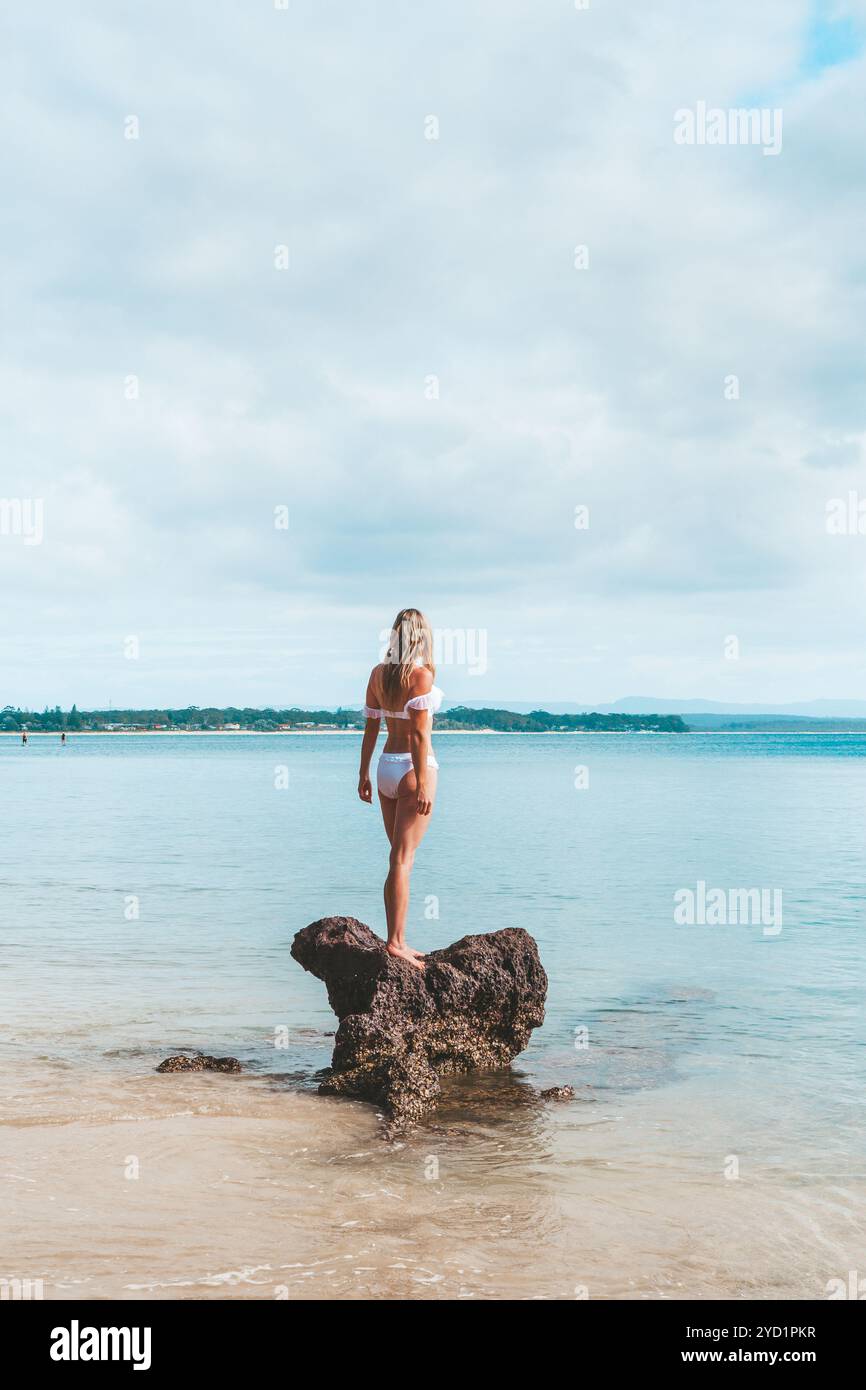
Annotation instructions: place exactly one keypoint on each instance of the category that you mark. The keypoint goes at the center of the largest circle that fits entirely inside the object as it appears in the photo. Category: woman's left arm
(368, 743)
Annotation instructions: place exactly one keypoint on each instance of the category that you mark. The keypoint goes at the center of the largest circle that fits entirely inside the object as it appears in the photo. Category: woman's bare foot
(404, 953)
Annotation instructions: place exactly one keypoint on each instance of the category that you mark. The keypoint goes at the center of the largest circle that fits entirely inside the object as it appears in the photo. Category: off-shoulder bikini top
(432, 701)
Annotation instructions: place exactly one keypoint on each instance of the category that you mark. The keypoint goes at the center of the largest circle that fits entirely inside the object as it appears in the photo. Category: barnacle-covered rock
(472, 1008)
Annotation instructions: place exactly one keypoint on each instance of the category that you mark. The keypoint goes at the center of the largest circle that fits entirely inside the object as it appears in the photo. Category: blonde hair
(410, 645)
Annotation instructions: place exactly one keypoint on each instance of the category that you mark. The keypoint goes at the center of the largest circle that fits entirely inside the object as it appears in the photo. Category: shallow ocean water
(151, 886)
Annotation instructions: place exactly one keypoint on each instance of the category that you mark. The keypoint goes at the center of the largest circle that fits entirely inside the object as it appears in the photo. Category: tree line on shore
(271, 720)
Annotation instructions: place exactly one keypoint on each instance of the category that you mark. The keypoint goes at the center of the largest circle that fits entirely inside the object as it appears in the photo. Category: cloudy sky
(431, 385)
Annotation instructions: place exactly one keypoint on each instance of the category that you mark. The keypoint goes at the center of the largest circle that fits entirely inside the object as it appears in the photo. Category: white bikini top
(432, 701)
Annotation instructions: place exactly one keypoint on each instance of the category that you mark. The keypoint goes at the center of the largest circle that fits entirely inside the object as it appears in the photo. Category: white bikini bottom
(392, 768)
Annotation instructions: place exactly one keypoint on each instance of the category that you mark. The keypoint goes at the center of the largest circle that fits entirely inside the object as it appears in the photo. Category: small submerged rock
(472, 1008)
(558, 1093)
(199, 1062)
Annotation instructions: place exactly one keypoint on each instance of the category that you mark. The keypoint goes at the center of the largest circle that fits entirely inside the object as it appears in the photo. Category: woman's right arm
(420, 683)
(419, 746)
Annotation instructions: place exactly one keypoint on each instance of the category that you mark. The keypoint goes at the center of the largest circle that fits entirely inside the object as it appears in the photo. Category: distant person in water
(23, 735)
(63, 738)
(401, 691)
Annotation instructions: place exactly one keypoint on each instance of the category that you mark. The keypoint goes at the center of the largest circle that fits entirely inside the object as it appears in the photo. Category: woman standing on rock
(401, 691)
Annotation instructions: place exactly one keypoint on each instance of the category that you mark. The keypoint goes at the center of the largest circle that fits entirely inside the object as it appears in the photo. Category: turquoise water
(151, 887)
(768, 1029)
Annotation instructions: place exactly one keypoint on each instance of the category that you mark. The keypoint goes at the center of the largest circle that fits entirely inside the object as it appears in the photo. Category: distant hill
(772, 723)
(650, 704)
(815, 716)
(812, 709)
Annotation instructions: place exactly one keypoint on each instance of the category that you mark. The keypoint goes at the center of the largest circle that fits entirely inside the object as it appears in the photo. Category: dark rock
(199, 1062)
(473, 1007)
(558, 1093)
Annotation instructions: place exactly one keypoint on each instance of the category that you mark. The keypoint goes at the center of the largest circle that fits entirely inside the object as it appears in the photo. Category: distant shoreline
(308, 733)
(439, 733)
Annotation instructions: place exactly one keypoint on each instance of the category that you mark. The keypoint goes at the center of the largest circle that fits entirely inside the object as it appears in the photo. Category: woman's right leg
(389, 813)
(409, 831)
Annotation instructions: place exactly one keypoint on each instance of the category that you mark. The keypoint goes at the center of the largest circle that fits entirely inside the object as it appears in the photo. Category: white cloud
(410, 258)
